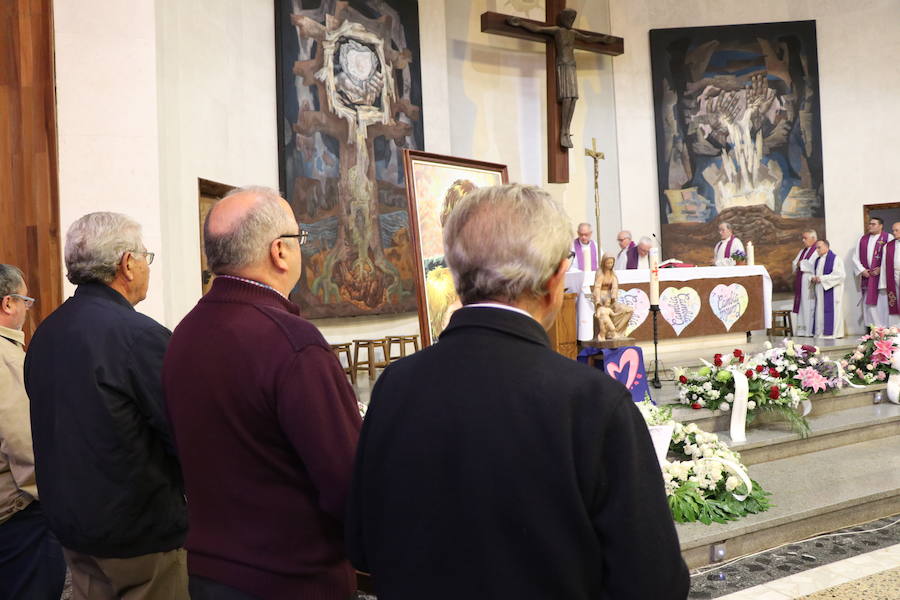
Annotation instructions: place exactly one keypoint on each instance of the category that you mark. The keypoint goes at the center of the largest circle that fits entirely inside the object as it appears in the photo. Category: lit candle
(751, 255)
(654, 276)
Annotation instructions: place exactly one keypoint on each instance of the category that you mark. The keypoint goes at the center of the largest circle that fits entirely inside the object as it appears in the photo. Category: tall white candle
(751, 254)
(654, 276)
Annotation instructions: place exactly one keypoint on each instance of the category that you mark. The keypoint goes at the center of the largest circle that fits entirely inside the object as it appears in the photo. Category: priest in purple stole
(867, 264)
(828, 281)
(627, 247)
(891, 270)
(727, 246)
(802, 267)
(586, 260)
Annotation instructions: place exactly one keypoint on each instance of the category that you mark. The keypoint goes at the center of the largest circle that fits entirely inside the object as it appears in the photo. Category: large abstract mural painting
(738, 139)
(349, 102)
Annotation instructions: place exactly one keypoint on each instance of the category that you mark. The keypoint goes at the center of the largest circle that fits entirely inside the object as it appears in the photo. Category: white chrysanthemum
(725, 407)
(732, 483)
(751, 405)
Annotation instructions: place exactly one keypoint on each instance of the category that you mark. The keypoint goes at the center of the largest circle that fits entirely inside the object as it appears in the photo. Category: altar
(696, 301)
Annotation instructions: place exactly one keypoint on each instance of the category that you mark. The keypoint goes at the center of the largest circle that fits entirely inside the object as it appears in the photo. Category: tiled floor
(838, 573)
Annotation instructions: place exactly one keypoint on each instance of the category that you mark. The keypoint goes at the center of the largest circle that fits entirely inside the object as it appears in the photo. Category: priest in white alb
(867, 265)
(803, 292)
(586, 258)
(828, 282)
(891, 275)
(729, 245)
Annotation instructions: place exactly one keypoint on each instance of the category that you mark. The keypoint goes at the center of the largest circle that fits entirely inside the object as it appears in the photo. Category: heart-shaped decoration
(729, 302)
(638, 300)
(679, 307)
(626, 370)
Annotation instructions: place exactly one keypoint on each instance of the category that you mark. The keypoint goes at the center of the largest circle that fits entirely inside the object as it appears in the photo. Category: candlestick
(751, 254)
(654, 276)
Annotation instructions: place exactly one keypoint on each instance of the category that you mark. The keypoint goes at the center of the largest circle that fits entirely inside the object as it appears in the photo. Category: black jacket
(109, 481)
(491, 467)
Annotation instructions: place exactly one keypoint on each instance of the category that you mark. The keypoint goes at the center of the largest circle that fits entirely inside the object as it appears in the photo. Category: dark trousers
(202, 588)
(31, 559)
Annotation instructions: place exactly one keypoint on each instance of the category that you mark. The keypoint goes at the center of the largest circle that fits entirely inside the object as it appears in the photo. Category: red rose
(741, 358)
(774, 393)
(773, 372)
(682, 379)
(808, 349)
(717, 360)
(760, 368)
(737, 353)
(696, 405)
(749, 374)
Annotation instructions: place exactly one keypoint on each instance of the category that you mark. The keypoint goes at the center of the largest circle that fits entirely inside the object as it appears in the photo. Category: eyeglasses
(622, 239)
(149, 255)
(29, 302)
(301, 237)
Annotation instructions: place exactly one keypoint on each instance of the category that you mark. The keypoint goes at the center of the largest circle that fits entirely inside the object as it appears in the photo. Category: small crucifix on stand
(561, 41)
(597, 156)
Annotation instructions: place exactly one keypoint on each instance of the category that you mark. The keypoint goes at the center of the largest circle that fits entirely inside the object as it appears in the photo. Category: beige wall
(156, 93)
(858, 47)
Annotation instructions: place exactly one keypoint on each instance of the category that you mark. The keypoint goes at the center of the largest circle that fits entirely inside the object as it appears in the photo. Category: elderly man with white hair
(109, 478)
(486, 449)
(31, 560)
(727, 246)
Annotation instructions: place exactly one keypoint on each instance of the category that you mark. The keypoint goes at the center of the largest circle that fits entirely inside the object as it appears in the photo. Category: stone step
(812, 493)
(823, 403)
(775, 441)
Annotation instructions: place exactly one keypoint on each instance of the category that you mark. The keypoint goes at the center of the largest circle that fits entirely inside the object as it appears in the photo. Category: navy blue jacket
(491, 467)
(105, 464)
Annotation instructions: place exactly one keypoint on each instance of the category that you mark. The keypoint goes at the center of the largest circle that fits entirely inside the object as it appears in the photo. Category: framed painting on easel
(434, 184)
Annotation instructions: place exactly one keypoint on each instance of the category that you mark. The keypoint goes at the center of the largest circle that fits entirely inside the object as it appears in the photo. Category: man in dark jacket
(264, 418)
(491, 467)
(105, 463)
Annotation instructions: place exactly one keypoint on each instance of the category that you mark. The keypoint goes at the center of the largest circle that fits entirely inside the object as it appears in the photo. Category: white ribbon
(738, 430)
(740, 472)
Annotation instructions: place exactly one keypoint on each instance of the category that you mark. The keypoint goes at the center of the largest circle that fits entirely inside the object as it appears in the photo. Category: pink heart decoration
(629, 361)
(636, 298)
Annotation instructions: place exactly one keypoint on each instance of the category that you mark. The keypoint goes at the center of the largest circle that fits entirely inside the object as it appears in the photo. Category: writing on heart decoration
(638, 300)
(729, 302)
(679, 307)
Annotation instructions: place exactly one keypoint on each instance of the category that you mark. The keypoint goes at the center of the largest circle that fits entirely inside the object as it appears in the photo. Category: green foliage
(689, 504)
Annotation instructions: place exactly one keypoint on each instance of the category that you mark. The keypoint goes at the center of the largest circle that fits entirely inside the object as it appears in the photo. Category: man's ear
(278, 254)
(558, 277)
(125, 266)
(6, 305)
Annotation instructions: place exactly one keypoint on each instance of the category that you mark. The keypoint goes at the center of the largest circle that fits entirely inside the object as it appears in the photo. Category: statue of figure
(566, 77)
(612, 315)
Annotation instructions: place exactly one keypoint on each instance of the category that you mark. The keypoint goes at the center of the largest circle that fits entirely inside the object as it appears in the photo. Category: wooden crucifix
(597, 157)
(560, 40)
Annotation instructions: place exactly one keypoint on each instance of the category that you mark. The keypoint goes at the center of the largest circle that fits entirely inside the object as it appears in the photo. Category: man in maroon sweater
(263, 416)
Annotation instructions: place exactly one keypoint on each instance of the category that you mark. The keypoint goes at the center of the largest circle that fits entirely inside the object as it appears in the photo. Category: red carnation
(717, 360)
(682, 379)
(773, 372)
(737, 353)
(749, 373)
(759, 368)
(808, 349)
(774, 393)
(696, 405)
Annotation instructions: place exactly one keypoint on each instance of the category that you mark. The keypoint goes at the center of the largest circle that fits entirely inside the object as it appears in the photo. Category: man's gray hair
(95, 244)
(646, 241)
(11, 280)
(727, 226)
(811, 232)
(248, 240)
(588, 225)
(504, 242)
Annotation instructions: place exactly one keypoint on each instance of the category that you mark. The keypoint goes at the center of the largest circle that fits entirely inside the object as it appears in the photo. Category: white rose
(732, 483)
(813, 361)
(724, 407)
(751, 405)
(729, 397)
(792, 367)
(870, 367)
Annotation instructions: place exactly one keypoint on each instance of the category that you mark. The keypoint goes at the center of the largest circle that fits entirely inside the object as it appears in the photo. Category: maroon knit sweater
(266, 427)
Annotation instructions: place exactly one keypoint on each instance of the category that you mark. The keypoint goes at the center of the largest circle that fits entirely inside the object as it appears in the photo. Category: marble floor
(867, 555)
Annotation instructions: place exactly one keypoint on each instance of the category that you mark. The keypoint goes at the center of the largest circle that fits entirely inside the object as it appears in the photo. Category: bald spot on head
(228, 212)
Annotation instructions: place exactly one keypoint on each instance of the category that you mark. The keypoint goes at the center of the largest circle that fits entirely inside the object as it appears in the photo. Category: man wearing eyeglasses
(109, 478)
(264, 418)
(31, 560)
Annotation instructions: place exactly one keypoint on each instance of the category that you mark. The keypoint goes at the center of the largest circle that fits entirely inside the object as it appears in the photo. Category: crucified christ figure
(564, 38)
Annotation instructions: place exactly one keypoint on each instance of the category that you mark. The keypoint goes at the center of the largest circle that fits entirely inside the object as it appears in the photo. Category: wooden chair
(782, 325)
(345, 350)
(371, 362)
(401, 341)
